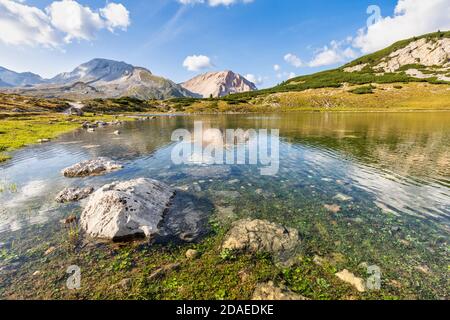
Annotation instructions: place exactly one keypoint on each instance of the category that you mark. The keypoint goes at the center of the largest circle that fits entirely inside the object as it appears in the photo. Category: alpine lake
(362, 189)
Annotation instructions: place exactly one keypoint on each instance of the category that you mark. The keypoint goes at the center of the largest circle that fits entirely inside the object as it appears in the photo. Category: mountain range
(102, 78)
(10, 78)
(419, 59)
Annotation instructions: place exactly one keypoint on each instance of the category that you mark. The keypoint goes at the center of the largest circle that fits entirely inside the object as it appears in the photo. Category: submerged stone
(350, 278)
(192, 254)
(269, 292)
(342, 197)
(73, 194)
(187, 219)
(91, 168)
(126, 209)
(260, 236)
(334, 208)
(163, 271)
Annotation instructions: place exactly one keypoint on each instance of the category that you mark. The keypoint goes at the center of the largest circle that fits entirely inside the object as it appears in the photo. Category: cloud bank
(61, 22)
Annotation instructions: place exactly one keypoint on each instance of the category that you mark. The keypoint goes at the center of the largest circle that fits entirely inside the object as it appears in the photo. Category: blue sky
(249, 38)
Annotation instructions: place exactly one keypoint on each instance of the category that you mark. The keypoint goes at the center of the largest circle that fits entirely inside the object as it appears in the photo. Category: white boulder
(126, 209)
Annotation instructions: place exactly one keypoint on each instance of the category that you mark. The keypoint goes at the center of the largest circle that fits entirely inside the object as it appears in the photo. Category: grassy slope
(376, 57)
(338, 78)
(17, 132)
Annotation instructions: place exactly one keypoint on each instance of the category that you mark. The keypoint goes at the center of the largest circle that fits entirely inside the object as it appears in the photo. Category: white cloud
(257, 80)
(24, 25)
(214, 3)
(197, 63)
(286, 75)
(75, 20)
(410, 18)
(335, 53)
(62, 21)
(116, 15)
(293, 60)
(276, 67)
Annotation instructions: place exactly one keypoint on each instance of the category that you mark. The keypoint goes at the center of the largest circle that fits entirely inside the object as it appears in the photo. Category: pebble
(161, 272)
(334, 208)
(342, 197)
(192, 254)
(125, 284)
(49, 251)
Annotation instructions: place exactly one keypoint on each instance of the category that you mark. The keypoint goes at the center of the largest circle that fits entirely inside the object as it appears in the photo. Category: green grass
(212, 276)
(20, 131)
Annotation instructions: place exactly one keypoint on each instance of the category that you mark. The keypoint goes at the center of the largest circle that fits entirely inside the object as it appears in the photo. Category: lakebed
(362, 189)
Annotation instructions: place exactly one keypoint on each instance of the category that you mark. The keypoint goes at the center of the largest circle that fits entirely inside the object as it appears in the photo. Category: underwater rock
(126, 209)
(69, 220)
(91, 168)
(334, 208)
(73, 194)
(187, 219)
(163, 271)
(209, 172)
(342, 197)
(269, 292)
(124, 284)
(49, 251)
(262, 236)
(350, 278)
(192, 254)
(225, 214)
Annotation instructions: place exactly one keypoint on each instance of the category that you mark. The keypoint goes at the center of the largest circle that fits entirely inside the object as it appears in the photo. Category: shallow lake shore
(332, 188)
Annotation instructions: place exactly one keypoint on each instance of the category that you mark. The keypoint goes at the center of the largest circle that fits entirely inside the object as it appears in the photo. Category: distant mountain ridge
(10, 78)
(94, 71)
(218, 84)
(103, 78)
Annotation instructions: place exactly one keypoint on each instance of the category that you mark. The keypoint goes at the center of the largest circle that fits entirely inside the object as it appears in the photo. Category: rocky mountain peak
(95, 70)
(218, 84)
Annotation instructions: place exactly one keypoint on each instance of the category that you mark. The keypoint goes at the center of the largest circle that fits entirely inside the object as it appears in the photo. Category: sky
(267, 41)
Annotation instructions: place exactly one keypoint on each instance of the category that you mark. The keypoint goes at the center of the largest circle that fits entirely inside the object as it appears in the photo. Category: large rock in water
(128, 209)
(91, 168)
(255, 236)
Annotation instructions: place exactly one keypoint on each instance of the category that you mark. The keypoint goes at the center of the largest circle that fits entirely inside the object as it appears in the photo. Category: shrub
(363, 90)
